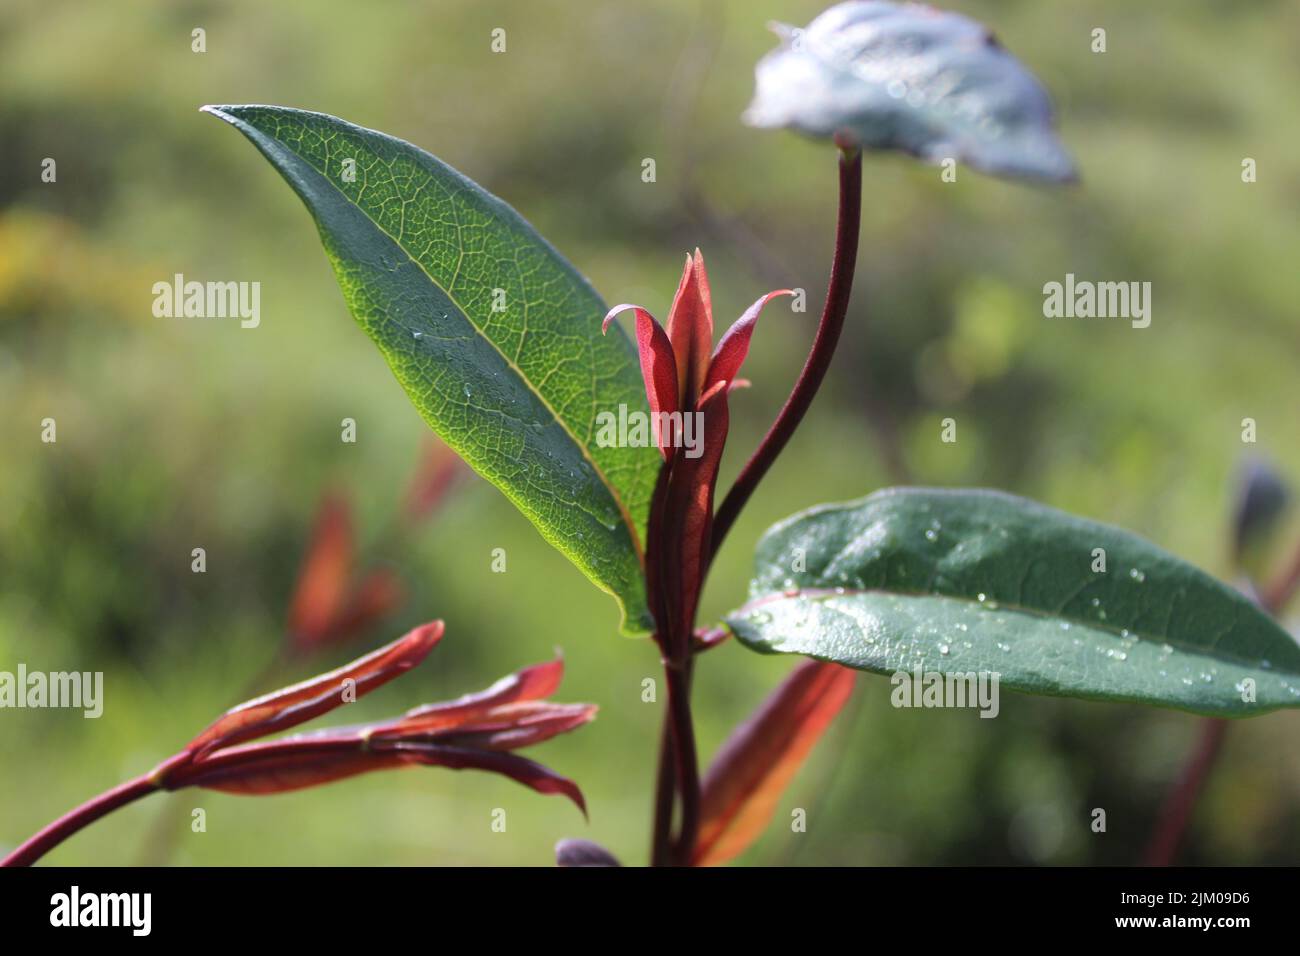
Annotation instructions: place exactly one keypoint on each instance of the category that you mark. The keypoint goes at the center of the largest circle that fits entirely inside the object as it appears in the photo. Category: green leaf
(495, 337)
(908, 77)
(979, 581)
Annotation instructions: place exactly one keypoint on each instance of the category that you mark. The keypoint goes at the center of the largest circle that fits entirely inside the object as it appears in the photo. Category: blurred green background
(175, 434)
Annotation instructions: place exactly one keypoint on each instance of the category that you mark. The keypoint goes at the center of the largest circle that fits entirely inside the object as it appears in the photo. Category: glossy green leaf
(495, 337)
(983, 582)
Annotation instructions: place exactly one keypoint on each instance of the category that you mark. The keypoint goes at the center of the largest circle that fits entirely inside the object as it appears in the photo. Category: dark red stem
(678, 781)
(665, 799)
(1176, 812)
(65, 826)
(819, 358)
(668, 777)
(688, 771)
(1277, 593)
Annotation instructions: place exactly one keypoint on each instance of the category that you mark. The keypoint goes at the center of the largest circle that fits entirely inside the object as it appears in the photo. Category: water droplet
(981, 597)
(943, 649)
(1137, 575)
(931, 535)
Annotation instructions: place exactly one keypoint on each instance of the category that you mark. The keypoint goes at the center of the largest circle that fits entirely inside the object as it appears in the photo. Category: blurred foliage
(175, 434)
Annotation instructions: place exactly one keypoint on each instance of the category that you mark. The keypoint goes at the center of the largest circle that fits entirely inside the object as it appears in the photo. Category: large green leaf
(494, 336)
(980, 581)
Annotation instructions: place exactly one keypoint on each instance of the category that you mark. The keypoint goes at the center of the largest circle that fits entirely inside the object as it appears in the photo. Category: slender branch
(65, 826)
(1176, 812)
(1278, 593)
(665, 792)
(688, 772)
(677, 748)
(666, 780)
(819, 358)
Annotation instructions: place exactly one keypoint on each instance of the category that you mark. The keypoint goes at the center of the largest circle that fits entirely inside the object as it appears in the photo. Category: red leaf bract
(658, 366)
(758, 760)
(531, 683)
(690, 329)
(299, 703)
(734, 344)
(324, 575)
(520, 769)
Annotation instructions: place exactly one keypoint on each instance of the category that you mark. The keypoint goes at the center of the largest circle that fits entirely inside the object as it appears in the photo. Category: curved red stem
(819, 358)
(1176, 813)
(55, 833)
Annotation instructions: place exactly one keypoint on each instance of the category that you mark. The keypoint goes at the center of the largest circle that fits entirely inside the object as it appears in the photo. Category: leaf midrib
(823, 593)
(604, 480)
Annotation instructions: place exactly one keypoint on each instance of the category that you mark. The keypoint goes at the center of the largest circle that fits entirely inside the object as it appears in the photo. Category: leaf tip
(420, 640)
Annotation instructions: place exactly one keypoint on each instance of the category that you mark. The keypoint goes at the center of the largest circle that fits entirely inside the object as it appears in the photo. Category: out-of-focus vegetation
(183, 433)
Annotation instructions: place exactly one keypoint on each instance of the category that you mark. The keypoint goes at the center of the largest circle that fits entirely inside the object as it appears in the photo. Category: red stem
(819, 358)
(1278, 592)
(678, 764)
(666, 777)
(65, 826)
(1176, 812)
(688, 771)
(665, 793)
